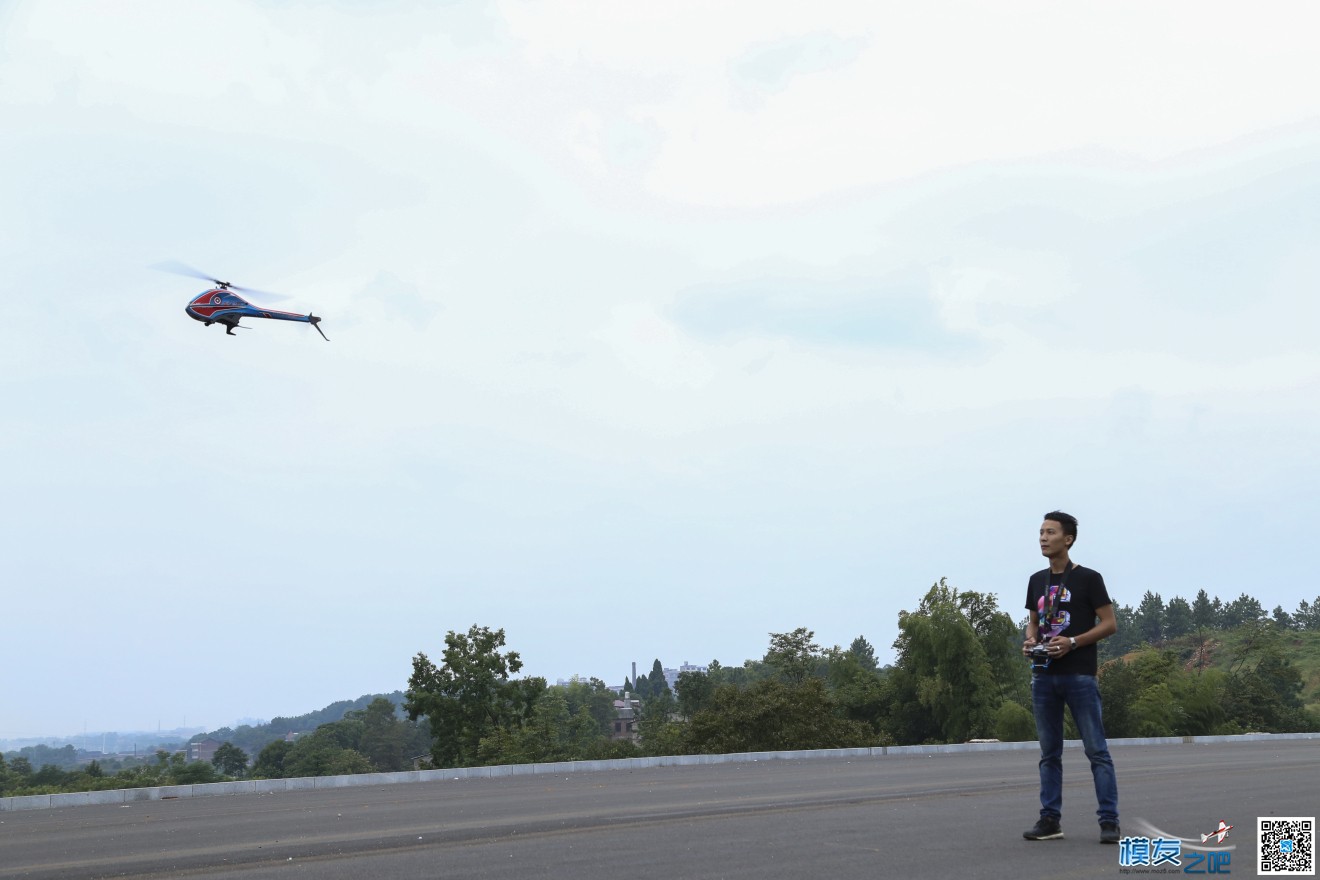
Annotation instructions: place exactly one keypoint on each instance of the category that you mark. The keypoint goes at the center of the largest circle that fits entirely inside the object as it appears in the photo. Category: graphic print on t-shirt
(1061, 618)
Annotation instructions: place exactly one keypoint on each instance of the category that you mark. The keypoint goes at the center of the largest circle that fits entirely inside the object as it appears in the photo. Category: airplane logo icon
(1219, 833)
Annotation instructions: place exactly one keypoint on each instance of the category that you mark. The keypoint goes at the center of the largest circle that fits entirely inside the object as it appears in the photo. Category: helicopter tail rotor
(316, 323)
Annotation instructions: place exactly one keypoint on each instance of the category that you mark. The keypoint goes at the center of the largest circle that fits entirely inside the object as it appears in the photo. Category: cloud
(769, 67)
(399, 298)
(889, 312)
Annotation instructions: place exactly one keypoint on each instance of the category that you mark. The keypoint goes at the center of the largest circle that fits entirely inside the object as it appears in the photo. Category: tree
(658, 727)
(945, 687)
(270, 762)
(863, 653)
(230, 760)
(656, 681)
(1243, 609)
(1307, 615)
(471, 695)
(194, 773)
(1150, 618)
(594, 696)
(1204, 614)
(793, 655)
(1177, 618)
(1263, 689)
(857, 688)
(695, 692)
(1014, 723)
(773, 715)
(320, 753)
(386, 740)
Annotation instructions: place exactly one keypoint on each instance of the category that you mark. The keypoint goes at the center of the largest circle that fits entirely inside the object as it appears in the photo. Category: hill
(1223, 650)
(253, 738)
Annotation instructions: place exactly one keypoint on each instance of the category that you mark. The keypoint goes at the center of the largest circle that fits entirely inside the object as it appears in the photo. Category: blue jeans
(1081, 694)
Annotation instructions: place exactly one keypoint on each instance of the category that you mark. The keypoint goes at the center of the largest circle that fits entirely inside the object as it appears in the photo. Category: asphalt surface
(911, 816)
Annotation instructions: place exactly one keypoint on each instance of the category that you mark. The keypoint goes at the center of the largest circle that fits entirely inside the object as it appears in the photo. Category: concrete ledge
(267, 786)
(30, 802)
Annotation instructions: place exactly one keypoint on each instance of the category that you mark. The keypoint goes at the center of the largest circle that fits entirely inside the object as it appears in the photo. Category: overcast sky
(655, 328)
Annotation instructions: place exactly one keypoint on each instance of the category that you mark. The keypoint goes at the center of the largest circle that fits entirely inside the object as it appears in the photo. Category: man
(1070, 611)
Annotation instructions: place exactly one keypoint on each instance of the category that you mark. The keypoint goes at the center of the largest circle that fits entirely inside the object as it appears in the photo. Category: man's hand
(1059, 645)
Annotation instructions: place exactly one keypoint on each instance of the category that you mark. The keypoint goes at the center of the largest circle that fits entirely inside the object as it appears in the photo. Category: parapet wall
(267, 786)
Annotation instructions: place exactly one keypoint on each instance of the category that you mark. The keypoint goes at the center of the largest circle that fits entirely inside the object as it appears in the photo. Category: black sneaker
(1047, 828)
(1109, 832)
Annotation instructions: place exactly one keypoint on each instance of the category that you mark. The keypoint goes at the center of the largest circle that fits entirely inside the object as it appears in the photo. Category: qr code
(1286, 846)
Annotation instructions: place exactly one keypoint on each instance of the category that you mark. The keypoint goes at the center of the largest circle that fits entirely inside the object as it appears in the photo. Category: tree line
(1180, 668)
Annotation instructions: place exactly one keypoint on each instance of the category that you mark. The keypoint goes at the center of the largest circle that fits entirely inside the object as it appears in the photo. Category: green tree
(1243, 609)
(658, 724)
(230, 760)
(48, 775)
(793, 655)
(270, 761)
(1204, 614)
(1263, 689)
(864, 653)
(1126, 640)
(470, 695)
(1150, 618)
(656, 681)
(696, 691)
(194, 773)
(1307, 615)
(945, 685)
(1119, 689)
(596, 698)
(1177, 618)
(1014, 723)
(858, 688)
(320, 753)
(386, 740)
(773, 715)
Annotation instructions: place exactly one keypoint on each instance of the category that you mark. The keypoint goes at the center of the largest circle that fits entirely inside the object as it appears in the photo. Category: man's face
(1052, 539)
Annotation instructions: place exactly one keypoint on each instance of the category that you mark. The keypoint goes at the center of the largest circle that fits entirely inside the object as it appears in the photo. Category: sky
(654, 329)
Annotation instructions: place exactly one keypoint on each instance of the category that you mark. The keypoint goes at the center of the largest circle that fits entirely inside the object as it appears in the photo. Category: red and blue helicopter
(221, 304)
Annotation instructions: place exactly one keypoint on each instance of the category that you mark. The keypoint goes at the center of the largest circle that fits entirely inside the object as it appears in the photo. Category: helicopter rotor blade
(174, 267)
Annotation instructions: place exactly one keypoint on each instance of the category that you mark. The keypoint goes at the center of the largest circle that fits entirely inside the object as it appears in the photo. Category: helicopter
(221, 303)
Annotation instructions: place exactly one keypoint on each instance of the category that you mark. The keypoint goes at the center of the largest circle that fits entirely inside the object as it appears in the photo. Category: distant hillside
(1221, 646)
(253, 738)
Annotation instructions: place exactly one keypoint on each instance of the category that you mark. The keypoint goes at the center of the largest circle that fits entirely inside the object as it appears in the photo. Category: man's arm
(1033, 631)
(1106, 625)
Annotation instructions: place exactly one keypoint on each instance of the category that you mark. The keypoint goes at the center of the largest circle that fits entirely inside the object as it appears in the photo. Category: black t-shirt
(1083, 592)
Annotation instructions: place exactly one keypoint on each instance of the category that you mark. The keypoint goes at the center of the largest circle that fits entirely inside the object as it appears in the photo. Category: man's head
(1057, 533)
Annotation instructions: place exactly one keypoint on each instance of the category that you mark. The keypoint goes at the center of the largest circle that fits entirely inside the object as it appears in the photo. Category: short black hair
(1066, 520)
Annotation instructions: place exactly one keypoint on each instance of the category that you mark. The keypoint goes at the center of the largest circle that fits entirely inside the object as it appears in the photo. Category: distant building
(203, 750)
(627, 712)
(671, 675)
